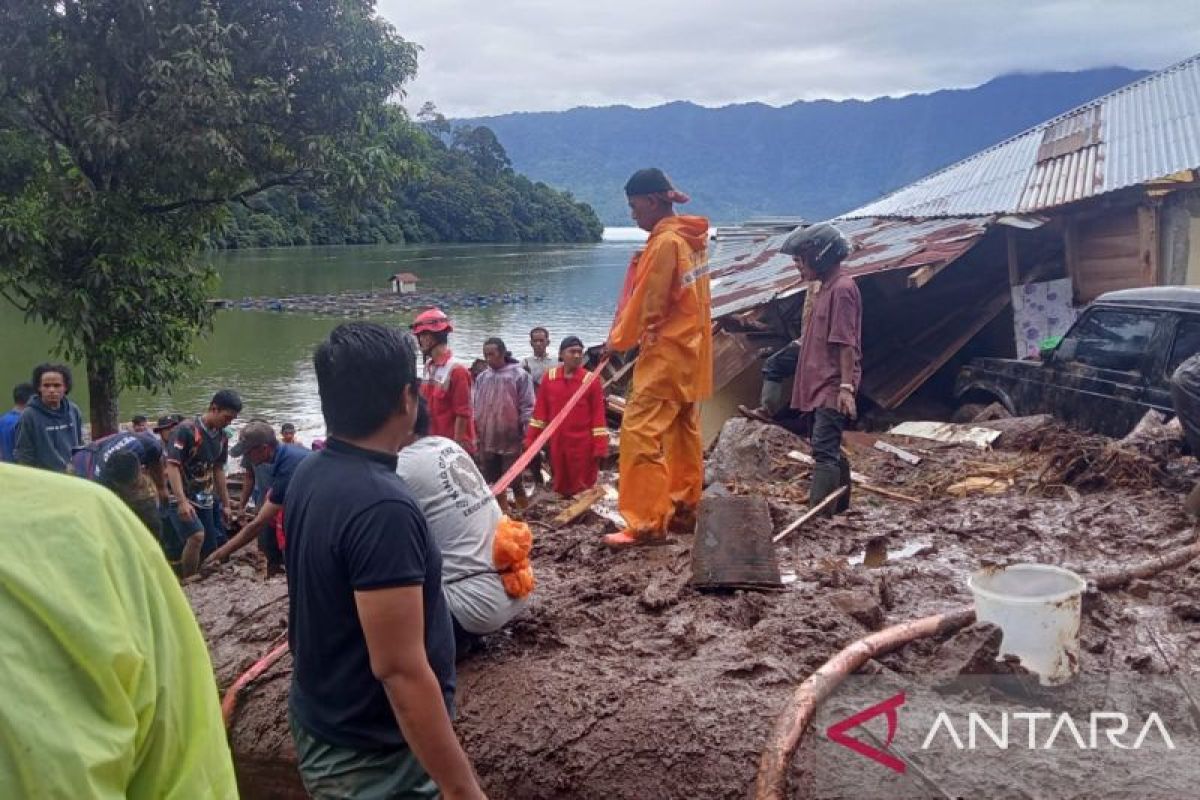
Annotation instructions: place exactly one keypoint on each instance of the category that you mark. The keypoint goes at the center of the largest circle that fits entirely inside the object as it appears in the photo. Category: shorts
(494, 465)
(330, 771)
(176, 531)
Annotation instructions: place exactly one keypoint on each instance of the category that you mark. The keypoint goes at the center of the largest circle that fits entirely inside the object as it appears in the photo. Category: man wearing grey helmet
(830, 366)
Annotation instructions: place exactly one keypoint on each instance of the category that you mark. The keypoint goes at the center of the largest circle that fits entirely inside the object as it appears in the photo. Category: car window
(1112, 339)
(1187, 343)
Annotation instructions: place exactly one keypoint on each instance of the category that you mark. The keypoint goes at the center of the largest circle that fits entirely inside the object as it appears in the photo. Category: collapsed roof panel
(748, 274)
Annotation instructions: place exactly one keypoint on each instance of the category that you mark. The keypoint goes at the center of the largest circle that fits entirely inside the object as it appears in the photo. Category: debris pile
(625, 681)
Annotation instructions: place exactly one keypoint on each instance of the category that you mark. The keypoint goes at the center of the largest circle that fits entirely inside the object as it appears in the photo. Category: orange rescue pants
(662, 462)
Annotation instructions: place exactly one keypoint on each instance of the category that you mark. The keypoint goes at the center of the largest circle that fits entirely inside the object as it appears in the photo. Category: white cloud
(495, 56)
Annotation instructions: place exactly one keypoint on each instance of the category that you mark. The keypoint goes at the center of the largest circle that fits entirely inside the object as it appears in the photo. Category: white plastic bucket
(1037, 606)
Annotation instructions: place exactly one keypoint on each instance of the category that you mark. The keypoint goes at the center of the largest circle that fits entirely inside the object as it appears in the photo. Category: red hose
(229, 700)
(521, 463)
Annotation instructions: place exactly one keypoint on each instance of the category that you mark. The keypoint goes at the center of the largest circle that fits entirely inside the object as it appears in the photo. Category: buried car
(1111, 367)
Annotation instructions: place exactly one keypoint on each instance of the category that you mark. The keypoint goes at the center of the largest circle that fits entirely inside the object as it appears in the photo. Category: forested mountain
(461, 187)
(815, 159)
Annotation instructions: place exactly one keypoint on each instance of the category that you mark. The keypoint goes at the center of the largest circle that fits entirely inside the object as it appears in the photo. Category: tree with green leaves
(127, 127)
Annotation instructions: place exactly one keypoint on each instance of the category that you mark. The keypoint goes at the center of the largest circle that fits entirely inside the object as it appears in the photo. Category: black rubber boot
(825, 480)
(843, 502)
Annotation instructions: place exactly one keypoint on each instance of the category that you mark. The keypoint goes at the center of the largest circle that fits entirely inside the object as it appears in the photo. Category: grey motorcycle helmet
(822, 246)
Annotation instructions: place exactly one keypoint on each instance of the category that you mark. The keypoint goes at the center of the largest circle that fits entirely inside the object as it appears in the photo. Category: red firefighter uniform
(667, 313)
(580, 439)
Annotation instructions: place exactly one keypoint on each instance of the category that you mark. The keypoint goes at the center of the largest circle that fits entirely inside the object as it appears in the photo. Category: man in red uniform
(582, 438)
(445, 385)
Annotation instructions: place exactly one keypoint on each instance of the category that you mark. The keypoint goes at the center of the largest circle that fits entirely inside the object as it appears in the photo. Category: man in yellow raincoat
(110, 690)
(664, 310)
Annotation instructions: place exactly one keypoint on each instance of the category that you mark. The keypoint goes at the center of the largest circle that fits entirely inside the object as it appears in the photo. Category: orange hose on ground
(229, 701)
(771, 782)
(523, 461)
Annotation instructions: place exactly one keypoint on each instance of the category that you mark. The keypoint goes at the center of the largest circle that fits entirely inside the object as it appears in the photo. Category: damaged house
(989, 256)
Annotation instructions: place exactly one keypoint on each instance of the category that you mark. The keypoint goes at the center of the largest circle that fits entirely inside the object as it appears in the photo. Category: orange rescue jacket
(668, 313)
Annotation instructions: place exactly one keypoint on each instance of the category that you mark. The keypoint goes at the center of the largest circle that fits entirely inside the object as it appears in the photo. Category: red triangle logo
(837, 732)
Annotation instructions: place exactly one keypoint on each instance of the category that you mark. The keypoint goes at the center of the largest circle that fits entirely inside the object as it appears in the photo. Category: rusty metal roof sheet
(746, 274)
(1147, 130)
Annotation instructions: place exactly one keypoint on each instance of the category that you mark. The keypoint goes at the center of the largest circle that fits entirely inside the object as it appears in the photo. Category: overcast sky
(495, 56)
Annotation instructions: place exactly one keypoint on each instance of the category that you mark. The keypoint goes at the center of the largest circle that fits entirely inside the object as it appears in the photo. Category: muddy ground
(624, 682)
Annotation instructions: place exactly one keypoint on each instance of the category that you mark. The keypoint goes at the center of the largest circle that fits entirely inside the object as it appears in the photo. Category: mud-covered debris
(1017, 432)
(746, 450)
(1186, 610)
(1094, 642)
(661, 593)
(859, 606)
(1140, 589)
(971, 651)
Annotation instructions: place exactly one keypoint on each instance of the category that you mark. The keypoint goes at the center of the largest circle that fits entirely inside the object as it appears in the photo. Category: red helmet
(432, 320)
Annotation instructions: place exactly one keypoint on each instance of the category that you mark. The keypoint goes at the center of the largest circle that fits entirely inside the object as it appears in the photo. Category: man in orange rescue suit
(445, 385)
(665, 311)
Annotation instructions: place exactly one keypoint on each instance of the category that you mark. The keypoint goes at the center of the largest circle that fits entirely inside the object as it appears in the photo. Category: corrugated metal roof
(748, 275)
(1149, 129)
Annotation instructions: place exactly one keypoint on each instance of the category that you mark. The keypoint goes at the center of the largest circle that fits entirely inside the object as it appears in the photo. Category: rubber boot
(771, 398)
(843, 502)
(826, 478)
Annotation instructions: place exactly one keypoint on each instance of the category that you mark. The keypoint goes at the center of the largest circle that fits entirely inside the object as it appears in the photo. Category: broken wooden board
(733, 546)
(829, 500)
(979, 484)
(578, 507)
(898, 452)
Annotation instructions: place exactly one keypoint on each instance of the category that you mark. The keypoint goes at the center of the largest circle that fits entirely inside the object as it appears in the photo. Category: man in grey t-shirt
(537, 364)
(462, 516)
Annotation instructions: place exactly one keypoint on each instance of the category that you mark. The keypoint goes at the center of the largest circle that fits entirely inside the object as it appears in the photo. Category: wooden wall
(1117, 249)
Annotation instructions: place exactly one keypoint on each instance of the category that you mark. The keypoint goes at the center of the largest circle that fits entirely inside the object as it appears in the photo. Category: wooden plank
(1115, 247)
(579, 507)
(1148, 244)
(628, 365)
(1014, 267)
(856, 478)
(829, 500)
(1119, 265)
(731, 354)
(1071, 256)
(925, 274)
(898, 452)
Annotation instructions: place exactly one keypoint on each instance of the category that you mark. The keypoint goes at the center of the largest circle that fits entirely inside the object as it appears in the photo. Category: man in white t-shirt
(462, 516)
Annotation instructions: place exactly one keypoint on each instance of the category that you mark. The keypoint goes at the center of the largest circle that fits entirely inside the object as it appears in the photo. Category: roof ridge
(1095, 101)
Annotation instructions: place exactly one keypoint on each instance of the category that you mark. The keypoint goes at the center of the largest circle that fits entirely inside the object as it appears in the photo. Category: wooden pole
(812, 512)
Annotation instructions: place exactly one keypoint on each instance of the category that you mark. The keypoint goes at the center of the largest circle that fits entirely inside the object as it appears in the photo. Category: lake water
(267, 356)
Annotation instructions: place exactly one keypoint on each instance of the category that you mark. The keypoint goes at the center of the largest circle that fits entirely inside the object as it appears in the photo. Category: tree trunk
(102, 389)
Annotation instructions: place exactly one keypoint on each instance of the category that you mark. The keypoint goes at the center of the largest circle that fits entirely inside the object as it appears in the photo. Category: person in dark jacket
(51, 425)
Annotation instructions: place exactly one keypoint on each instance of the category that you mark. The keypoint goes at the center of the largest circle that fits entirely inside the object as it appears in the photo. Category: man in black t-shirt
(196, 456)
(369, 629)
